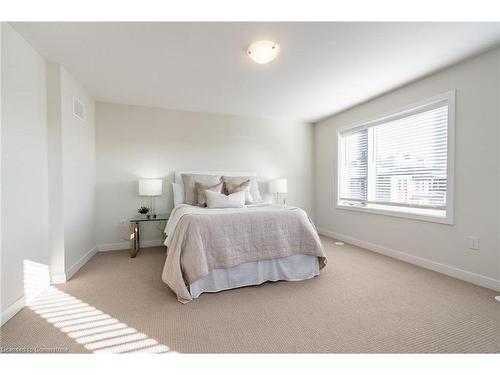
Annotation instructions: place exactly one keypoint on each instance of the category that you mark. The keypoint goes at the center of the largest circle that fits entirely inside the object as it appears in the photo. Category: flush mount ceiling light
(263, 51)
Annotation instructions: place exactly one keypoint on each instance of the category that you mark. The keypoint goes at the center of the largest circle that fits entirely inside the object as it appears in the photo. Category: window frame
(423, 214)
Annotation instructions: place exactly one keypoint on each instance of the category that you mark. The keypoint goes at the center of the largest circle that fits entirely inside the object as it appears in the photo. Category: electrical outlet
(473, 243)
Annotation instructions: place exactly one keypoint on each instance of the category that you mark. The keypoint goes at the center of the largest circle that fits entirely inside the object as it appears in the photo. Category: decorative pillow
(254, 193)
(200, 192)
(217, 200)
(231, 187)
(189, 180)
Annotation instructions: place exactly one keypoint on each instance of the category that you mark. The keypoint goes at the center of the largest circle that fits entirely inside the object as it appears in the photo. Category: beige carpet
(362, 303)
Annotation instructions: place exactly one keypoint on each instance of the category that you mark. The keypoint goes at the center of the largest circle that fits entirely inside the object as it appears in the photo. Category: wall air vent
(78, 108)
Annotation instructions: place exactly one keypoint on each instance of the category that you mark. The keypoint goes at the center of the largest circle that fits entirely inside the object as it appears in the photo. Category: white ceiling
(322, 69)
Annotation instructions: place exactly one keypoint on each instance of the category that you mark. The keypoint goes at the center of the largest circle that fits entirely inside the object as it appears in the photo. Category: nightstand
(135, 227)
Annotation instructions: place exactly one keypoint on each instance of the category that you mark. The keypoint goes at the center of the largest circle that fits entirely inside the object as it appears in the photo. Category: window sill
(422, 214)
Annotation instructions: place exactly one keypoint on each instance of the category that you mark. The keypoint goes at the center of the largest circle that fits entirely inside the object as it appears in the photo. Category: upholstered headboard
(178, 184)
(178, 178)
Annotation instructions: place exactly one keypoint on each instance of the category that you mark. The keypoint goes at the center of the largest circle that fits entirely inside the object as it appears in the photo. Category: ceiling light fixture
(263, 51)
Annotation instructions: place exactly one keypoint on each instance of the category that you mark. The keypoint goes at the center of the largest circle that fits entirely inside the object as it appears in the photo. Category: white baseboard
(125, 245)
(471, 277)
(12, 310)
(61, 278)
(80, 263)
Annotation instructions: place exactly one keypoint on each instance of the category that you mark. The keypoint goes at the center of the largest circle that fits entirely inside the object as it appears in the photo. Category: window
(400, 164)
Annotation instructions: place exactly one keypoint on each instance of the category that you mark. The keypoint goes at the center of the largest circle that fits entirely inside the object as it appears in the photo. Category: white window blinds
(356, 166)
(400, 160)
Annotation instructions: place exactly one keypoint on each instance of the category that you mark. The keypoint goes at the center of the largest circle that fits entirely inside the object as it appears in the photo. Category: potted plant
(143, 210)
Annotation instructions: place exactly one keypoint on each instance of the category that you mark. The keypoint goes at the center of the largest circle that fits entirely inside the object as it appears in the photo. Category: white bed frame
(178, 177)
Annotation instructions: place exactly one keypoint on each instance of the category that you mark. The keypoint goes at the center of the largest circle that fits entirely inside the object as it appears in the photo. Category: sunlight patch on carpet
(95, 330)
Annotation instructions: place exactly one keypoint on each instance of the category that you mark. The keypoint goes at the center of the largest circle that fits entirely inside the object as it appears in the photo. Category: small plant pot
(148, 216)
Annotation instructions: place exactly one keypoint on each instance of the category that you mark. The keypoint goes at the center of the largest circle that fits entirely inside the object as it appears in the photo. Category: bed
(211, 249)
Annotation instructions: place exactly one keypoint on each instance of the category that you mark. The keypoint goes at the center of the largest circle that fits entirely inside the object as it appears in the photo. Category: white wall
(477, 184)
(55, 173)
(48, 173)
(79, 172)
(24, 163)
(72, 173)
(134, 141)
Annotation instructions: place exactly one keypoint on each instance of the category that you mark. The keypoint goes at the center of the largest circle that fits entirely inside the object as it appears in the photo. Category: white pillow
(217, 200)
(178, 190)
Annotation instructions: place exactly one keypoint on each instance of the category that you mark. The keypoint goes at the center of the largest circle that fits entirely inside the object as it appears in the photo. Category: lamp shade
(278, 186)
(150, 186)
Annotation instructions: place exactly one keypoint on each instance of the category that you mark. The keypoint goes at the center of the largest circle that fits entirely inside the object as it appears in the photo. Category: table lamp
(279, 187)
(150, 187)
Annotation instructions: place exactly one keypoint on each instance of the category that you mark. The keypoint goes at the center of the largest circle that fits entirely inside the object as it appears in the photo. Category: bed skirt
(291, 268)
